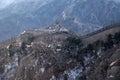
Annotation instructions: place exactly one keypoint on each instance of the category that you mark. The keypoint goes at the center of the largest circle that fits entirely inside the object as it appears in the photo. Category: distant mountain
(82, 16)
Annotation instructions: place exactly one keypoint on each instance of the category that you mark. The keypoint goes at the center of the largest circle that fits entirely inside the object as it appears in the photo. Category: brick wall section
(100, 34)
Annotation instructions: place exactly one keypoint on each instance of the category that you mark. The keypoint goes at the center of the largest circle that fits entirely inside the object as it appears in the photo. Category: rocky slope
(39, 55)
(105, 67)
(56, 53)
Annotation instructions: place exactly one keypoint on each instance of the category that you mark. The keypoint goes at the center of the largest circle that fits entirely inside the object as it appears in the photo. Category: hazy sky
(5, 3)
(117, 1)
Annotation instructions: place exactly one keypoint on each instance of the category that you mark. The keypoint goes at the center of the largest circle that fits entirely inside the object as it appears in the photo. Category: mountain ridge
(59, 54)
(26, 15)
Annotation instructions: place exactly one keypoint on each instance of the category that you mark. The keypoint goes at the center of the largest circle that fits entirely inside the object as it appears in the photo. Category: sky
(5, 3)
(117, 1)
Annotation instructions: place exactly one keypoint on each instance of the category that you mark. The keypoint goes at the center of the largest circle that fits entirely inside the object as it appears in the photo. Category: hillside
(106, 66)
(38, 55)
(100, 34)
(57, 53)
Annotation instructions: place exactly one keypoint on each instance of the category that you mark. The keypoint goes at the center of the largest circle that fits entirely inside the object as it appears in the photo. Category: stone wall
(100, 34)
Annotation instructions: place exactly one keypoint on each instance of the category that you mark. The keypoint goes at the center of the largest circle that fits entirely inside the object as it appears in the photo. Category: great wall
(100, 34)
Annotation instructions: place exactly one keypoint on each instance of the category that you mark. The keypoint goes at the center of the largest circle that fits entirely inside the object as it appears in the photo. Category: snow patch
(13, 65)
(111, 76)
(58, 50)
(64, 15)
(99, 52)
(63, 29)
(20, 43)
(86, 59)
(59, 45)
(50, 46)
(68, 62)
(52, 78)
(28, 46)
(36, 62)
(74, 73)
(8, 46)
(42, 70)
(7, 67)
(23, 32)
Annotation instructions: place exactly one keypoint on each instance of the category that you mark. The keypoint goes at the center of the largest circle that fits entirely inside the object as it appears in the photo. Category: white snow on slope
(64, 15)
(74, 73)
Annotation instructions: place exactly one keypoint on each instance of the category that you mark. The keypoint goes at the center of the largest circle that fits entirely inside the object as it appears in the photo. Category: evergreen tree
(109, 42)
(73, 42)
(116, 37)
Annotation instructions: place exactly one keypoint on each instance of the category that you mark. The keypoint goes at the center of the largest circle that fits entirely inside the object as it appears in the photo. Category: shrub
(73, 41)
(116, 37)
